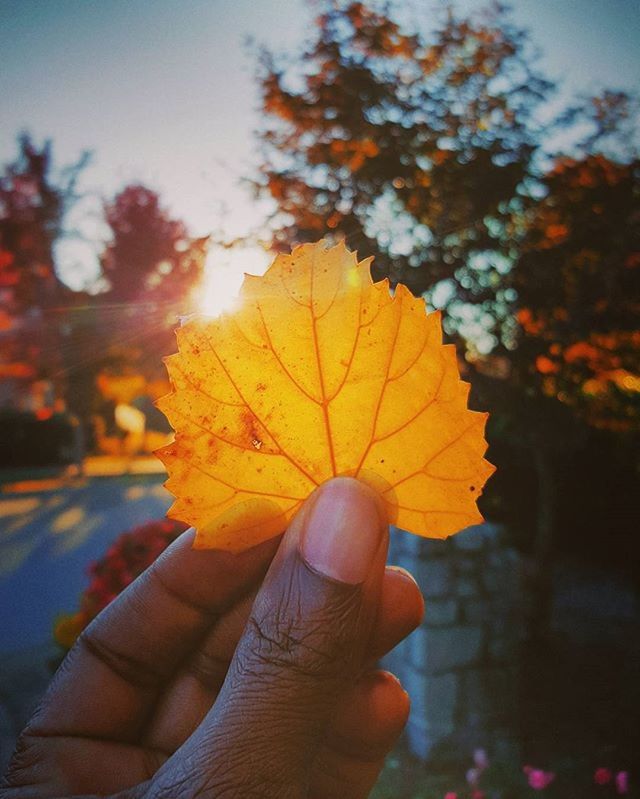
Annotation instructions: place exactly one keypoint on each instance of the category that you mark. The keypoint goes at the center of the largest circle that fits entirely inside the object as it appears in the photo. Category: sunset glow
(223, 276)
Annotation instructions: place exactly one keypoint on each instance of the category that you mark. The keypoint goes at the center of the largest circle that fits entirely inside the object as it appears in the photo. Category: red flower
(127, 557)
(602, 776)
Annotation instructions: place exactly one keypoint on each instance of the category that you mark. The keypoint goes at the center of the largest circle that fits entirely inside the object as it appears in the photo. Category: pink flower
(478, 795)
(481, 759)
(539, 779)
(602, 776)
(622, 782)
(451, 795)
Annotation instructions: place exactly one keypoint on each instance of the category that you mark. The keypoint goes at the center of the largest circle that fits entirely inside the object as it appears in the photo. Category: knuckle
(132, 669)
(281, 644)
(307, 642)
(209, 669)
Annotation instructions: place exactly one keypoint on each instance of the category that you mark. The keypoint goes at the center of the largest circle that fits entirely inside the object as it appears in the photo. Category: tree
(579, 341)
(425, 152)
(576, 279)
(33, 203)
(152, 267)
(411, 148)
(150, 257)
(32, 209)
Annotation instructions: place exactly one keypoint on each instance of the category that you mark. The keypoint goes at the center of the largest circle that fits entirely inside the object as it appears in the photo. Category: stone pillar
(460, 666)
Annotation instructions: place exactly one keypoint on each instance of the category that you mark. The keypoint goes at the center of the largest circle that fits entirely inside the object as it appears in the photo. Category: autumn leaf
(319, 372)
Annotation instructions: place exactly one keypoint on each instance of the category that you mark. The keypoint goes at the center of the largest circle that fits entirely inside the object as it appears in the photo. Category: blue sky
(163, 91)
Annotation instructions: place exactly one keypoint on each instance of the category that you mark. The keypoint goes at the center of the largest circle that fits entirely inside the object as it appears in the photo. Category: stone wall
(460, 666)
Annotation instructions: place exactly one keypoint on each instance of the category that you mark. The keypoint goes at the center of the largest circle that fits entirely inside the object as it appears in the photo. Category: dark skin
(207, 679)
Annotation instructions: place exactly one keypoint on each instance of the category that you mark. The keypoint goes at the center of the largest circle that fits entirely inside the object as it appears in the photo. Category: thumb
(302, 649)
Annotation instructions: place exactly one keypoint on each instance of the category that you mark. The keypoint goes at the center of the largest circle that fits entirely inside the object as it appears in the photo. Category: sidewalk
(23, 480)
(26, 673)
(110, 465)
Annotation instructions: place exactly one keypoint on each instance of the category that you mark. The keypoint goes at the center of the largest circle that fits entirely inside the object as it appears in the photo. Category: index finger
(110, 680)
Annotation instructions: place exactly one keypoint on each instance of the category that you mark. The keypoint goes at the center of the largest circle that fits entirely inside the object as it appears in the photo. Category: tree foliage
(33, 203)
(150, 256)
(426, 149)
(430, 150)
(32, 207)
(577, 278)
(410, 147)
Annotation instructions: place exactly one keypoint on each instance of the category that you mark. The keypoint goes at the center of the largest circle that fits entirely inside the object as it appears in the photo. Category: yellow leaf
(319, 372)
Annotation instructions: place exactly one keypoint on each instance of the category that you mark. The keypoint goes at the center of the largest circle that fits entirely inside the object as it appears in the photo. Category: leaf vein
(316, 349)
(422, 410)
(246, 447)
(297, 465)
(281, 363)
(351, 359)
(382, 390)
(437, 454)
(290, 295)
(236, 489)
(415, 360)
(200, 390)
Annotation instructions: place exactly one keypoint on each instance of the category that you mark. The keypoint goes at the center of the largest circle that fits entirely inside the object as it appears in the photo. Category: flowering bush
(126, 558)
(537, 778)
(406, 778)
(493, 781)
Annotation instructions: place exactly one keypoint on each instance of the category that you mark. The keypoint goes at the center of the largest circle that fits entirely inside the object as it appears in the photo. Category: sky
(164, 93)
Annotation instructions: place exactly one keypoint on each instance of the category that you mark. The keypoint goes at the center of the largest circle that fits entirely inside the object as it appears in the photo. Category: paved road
(49, 532)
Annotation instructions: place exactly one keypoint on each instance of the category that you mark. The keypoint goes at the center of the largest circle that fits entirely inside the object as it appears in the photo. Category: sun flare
(223, 275)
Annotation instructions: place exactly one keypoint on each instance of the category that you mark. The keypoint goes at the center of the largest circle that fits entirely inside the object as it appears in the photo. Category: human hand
(204, 680)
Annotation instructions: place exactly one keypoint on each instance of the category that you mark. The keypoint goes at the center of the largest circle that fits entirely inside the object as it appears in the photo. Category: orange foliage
(16, 370)
(319, 372)
(555, 233)
(120, 388)
(590, 172)
(6, 321)
(545, 365)
(581, 350)
(529, 324)
(353, 154)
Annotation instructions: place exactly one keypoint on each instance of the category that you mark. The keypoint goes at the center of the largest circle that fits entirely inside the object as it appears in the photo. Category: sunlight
(223, 275)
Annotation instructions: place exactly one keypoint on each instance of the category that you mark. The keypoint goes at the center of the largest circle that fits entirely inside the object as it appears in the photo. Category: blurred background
(150, 154)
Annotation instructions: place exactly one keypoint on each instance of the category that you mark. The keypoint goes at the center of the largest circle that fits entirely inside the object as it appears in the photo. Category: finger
(302, 650)
(364, 729)
(112, 677)
(363, 732)
(61, 766)
(190, 696)
(400, 611)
